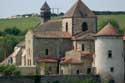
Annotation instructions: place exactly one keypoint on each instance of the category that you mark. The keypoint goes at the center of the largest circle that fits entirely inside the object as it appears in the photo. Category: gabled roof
(79, 9)
(51, 25)
(45, 6)
(108, 30)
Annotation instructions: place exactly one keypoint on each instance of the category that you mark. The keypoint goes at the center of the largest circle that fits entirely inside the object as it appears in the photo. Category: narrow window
(24, 60)
(83, 47)
(50, 69)
(112, 69)
(46, 51)
(66, 26)
(11, 60)
(77, 72)
(109, 54)
(84, 26)
(88, 70)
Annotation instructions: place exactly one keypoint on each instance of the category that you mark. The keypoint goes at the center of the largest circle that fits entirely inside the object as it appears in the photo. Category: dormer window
(66, 26)
(84, 26)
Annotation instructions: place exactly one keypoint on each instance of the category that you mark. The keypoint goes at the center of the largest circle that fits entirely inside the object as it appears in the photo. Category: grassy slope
(21, 23)
(27, 23)
(119, 18)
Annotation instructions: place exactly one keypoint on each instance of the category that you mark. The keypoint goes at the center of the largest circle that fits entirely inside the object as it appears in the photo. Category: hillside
(28, 23)
(20, 23)
(120, 18)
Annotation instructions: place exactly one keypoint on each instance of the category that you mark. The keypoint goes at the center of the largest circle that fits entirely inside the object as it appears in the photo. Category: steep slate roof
(84, 36)
(108, 30)
(52, 34)
(79, 9)
(45, 6)
(51, 25)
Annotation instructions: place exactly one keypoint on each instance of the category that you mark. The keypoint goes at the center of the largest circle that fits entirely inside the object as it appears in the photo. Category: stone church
(70, 45)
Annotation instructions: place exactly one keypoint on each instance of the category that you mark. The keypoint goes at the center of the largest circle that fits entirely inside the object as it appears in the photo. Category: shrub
(12, 31)
(8, 70)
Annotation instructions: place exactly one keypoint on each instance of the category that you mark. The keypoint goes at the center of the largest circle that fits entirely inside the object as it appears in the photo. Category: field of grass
(119, 18)
(28, 23)
(20, 23)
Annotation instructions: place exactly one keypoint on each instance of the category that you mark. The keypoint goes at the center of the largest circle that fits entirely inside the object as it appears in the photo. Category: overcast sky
(14, 7)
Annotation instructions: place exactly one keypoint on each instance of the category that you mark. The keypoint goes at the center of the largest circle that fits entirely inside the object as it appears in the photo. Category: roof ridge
(108, 30)
(79, 9)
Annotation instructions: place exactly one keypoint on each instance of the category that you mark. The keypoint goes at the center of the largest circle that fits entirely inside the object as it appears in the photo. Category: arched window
(84, 26)
(66, 26)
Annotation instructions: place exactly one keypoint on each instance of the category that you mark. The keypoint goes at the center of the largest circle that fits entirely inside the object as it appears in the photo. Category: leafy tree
(8, 70)
(113, 22)
(12, 31)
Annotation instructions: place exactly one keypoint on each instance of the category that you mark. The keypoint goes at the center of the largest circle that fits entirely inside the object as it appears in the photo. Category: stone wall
(69, 26)
(77, 24)
(56, 47)
(45, 79)
(29, 48)
(88, 45)
(27, 70)
(46, 68)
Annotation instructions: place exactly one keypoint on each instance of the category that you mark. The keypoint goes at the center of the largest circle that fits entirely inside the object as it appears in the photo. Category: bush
(12, 31)
(17, 73)
(8, 70)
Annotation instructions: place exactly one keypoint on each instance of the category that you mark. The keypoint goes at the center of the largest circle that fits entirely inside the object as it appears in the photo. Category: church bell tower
(45, 12)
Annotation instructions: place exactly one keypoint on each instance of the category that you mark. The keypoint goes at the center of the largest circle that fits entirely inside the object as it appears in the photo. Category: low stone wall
(45, 79)
(27, 70)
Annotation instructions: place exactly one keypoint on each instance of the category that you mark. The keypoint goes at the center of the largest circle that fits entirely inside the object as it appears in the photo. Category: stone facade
(56, 47)
(68, 46)
(47, 68)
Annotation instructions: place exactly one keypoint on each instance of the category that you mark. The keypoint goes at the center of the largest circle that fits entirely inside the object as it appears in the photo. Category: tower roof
(45, 6)
(108, 30)
(79, 9)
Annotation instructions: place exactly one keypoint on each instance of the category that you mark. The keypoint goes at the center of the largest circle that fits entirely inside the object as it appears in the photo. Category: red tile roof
(108, 30)
(71, 61)
(48, 59)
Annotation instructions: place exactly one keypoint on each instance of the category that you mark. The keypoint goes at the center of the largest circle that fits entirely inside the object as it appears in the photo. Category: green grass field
(28, 23)
(119, 18)
(21, 23)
